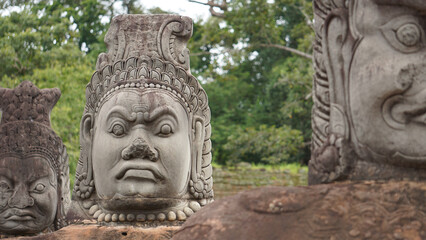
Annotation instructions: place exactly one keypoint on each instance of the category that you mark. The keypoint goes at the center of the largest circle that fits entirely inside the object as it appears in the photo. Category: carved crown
(25, 123)
(147, 51)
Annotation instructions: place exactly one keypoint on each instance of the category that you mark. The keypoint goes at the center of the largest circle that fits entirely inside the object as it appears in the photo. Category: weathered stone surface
(368, 210)
(369, 109)
(96, 232)
(145, 132)
(34, 172)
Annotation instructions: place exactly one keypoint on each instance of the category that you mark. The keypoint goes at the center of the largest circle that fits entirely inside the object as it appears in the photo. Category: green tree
(255, 60)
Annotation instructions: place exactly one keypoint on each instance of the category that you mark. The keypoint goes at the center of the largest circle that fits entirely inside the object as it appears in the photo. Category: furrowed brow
(121, 112)
(162, 110)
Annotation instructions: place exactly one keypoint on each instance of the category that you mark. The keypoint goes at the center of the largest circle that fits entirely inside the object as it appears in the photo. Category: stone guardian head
(145, 131)
(370, 90)
(34, 172)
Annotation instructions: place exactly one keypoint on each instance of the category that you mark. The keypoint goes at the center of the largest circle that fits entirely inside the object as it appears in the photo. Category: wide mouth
(19, 215)
(139, 169)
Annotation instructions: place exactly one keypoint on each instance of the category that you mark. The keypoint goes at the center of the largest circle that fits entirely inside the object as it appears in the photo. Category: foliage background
(259, 94)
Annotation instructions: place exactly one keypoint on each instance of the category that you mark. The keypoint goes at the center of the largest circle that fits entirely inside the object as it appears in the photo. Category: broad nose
(139, 148)
(21, 198)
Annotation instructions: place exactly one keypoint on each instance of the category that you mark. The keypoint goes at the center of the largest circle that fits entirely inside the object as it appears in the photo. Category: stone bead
(141, 217)
(195, 206)
(161, 216)
(188, 211)
(93, 209)
(171, 216)
(180, 215)
(151, 217)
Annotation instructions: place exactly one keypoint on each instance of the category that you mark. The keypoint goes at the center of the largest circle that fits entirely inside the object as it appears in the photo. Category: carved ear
(197, 152)
(338, 50)
(86, 125)
(86, 131)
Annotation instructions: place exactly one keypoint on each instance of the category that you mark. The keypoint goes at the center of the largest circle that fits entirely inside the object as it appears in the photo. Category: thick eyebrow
(122, 112)
(34, 177)
(159, 111)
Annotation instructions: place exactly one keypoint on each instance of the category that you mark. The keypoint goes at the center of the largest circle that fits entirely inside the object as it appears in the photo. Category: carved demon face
(141, 146)
(387, 81)
(28, 194)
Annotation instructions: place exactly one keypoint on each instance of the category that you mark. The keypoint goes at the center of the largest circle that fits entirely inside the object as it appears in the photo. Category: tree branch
(222, 6)
(289, 49)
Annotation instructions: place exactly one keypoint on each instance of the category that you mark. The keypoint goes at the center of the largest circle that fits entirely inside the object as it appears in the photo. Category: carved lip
(139, 170)
(20, 215)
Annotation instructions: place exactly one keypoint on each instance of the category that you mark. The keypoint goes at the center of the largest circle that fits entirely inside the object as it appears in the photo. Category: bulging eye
(408, 34)
(404, 34)
(166, 130)
(117, 130)
(39, 187)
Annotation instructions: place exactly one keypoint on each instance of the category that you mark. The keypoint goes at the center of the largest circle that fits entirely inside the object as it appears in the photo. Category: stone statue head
(34, 172)
(145, 131)
(369, 114)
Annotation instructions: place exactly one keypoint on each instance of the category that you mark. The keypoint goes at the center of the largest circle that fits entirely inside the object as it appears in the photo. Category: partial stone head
(370, 90)
(145, 132)
(34, 172)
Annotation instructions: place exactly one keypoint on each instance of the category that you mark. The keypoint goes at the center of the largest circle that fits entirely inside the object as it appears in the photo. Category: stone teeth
(114, 217)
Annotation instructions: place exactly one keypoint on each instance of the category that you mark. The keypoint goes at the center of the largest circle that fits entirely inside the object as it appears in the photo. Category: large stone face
(34, 173)
(369, 105)
(145, 133)
(371, 210)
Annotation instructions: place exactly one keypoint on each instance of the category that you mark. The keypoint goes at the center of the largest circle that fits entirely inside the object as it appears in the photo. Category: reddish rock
(96, 232)
(368, 210)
